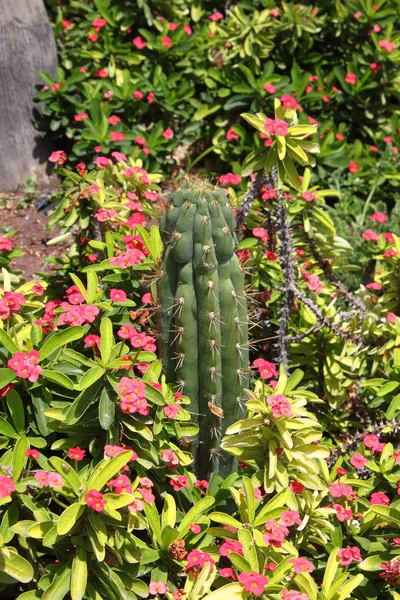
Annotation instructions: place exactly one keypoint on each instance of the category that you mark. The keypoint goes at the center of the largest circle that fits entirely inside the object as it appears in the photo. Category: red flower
(139, 42)
(76, 453)
(95, 500)
(350, 78)
(217, 16)
(166, 41)
(379, 217)
(58, 156)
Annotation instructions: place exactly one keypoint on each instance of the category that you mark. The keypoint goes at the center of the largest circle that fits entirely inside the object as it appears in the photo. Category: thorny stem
(330, 275)
(249, 198)
(353, 441)
(289, 279)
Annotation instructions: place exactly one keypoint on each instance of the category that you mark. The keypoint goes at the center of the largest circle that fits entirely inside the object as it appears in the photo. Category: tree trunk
(26, 45)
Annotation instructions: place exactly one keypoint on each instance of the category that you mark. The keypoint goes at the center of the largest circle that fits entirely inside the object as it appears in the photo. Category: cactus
(204, 329)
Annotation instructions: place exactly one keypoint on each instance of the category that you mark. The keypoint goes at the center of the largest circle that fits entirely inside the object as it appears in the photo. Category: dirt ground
(31, 234)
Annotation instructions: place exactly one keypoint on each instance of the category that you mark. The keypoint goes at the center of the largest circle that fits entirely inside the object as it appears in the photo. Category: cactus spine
(204, 327)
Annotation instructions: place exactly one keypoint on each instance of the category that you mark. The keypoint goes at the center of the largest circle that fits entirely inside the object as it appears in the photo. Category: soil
(31, 234)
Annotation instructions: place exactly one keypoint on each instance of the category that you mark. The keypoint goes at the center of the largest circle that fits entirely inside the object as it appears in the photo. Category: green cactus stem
(204, 326)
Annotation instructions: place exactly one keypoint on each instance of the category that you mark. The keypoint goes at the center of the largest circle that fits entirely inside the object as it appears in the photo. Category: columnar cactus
(204, 316)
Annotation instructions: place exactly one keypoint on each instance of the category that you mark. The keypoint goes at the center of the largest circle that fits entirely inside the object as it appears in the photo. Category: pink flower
(179, 482)
(5, 244)
(187, 29)
(231, 135)
(357, 15)
(230, 179)
(379, 498)
(76, 453)
(342, 514)
(54, 480)
(104, 215)
(386, 45)
(389, 253)
(113, 120)
(157, 587)
(339, 137)
(253, 582)
(24, 364)
(339, 489)
(231, 546)
(117, 295)
(138, 95)
(293, 595)
(196, 558)
(166, 41)
(58, 156)
(308, 196)
(93, 37)
(194, 528)
(275, 533)
(288, 102)
(99, 23)
(375, 67)
(95, 500)
(32, 453)
(135, 506)
(7, 486)
(217, 16)
(350, 78)
(79, 117)
(301, 565)
(280, 127)
(102, 162)
(290, 517)
(391, 317)
(353, 167)
(261, 233)
(171, 410)
(280, 407)
(102, 73)
(170, 458)
(117, 136)
(274, 12)
(266, 369)
(371, 441)
(358, 460)
(371, 236)
(168, 134)
(139, 42)
(349, 555)
(268, 87)
(119, 157)
(379, 217)
(374, 285)
(150, 97)
(228, 573)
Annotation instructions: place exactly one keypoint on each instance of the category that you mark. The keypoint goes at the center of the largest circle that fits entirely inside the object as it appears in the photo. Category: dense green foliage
(100, 497)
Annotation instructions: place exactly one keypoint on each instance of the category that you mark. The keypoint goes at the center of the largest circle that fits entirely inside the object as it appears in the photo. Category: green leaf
(168, 515)
(60, 585)
(81, 404)
(79, 574)
(90, 377)
(106, 339)
(106, 410)
(291, 172)
(7, 342)
(58, 378)
(345, 591)
(69, 474)
(59, 339)
(191, 516)
(6, 375)
(16, 408)
(15, 566)
(19, 457)
(372, 563)
(153, 518)
(233, 591)
(330, 571)
(69, 517)
(107, 469)
(250, 499)
(7, 430)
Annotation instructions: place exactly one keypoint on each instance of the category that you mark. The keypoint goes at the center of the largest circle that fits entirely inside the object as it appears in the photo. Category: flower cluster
(7, 486)
(10, 304)
(133, 396)
(197, 559)
(48, 478)
(95, 500)
(24, 364)
(280, 407)
(276, 126)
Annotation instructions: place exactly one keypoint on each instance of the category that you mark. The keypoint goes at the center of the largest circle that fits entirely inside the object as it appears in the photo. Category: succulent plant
(204, 326)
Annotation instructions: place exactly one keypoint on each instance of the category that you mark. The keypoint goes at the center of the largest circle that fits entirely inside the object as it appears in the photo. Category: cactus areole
(204, 322)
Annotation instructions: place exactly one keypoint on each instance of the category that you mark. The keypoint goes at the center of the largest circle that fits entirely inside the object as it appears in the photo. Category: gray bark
(26, 45)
